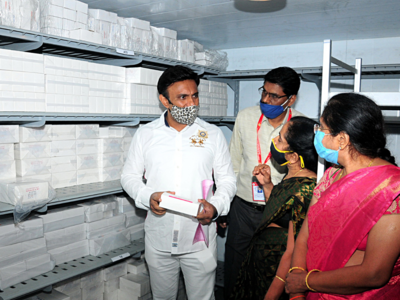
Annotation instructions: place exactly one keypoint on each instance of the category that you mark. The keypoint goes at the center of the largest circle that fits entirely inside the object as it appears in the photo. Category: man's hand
(207, 214)
(155, 200)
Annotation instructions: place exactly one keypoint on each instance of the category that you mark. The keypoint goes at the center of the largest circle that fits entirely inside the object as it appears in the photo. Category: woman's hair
(362, 120)
(286, 78)
(175, 74)
(300, 137)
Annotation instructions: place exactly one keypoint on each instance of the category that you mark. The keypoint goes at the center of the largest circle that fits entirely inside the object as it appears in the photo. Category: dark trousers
(243, 222)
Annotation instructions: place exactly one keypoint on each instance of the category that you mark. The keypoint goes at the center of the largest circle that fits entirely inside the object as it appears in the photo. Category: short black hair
(175, 74)
(300, 137)
(286, 78)
(361, 118)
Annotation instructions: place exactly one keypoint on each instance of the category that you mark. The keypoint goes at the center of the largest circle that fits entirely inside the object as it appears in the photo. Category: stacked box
(67, 85)
(25, 91)
(133, 285)
(70, 287)
(186, 51)
(22, 14)
(63, 150)
(126, 34)
(111, 154)
(213, 98)
(8, 136)
(107, 89)
(60, 17)
(169, 42)
(23, 252)
(142, 38)
(101, 208)
(105, 23)
(92, 285)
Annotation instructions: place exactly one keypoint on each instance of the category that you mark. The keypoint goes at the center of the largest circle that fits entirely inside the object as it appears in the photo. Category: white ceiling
(225, 24)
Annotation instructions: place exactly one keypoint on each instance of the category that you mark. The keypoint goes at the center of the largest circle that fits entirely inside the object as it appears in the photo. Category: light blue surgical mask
(327, 154)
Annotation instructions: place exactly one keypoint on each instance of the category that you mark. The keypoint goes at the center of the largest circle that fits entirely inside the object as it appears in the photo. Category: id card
(258, 193)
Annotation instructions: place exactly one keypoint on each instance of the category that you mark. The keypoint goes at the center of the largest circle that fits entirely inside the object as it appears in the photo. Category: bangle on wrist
(308, 274)
(280, 278)
(301, 296)
(296, 268)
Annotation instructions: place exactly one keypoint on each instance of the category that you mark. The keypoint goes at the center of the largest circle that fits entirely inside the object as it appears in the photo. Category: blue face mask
(327, 154)
(272, 111)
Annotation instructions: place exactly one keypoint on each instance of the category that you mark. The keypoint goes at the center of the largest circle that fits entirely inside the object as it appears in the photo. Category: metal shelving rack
(69, 270)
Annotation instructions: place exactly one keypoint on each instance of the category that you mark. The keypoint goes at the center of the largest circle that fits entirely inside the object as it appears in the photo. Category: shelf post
(357, 76)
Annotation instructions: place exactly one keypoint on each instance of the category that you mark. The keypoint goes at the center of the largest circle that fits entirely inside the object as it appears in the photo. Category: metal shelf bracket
(35, 123)
(122, 62)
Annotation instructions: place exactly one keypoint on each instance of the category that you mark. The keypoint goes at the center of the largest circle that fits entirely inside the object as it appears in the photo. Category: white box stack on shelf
(127, 140)
(65, 233)
(63, 150)
(219, 98)
(166, 39)
(33, 153)
(105, 23)
(9, 135)
(107, 234)
(204, 98)
(21, 81)
(111, 152)
(92, 285)
(87, 150)
(111, 279)
(186, 50)
(107, 89)
(60, 17)
(142, 91)
(67, 85)
(135, 217)
(141, 35)
(23, 252)
(22, 14)
(100, 208)
(134, 285)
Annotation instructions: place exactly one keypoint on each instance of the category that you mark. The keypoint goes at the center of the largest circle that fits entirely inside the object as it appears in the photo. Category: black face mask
(278, 155)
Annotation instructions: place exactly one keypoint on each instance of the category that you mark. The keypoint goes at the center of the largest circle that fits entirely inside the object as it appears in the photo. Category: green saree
(268, 244)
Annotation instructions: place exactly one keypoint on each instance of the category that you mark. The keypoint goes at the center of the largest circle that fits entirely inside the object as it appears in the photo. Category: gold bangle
(296, 268)
(314, 270)
(281, 279)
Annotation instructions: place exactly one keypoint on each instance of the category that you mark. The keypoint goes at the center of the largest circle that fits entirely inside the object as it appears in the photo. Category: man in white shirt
(255, 127)
(175, 153)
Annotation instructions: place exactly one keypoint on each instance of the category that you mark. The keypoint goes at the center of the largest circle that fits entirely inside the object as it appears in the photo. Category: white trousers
(198, 270)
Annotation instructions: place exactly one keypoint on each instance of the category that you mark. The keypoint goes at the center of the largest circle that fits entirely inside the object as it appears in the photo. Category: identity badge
(258, 193)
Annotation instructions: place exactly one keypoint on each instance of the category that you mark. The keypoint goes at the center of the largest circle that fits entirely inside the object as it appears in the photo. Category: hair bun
(385, 154)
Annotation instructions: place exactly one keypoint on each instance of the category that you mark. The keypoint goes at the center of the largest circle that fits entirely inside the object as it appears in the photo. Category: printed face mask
(272, 111)
(278, 155)
(327, 154)
(184, 115)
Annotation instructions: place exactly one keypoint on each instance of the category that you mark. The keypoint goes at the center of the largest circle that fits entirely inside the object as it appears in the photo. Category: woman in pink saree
(349, 244)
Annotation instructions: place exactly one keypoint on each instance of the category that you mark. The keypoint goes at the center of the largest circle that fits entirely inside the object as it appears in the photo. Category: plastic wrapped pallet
(70, 252)
(14, 253)
(92, 279)
(62, 217)
(107, 242)
(25, 195)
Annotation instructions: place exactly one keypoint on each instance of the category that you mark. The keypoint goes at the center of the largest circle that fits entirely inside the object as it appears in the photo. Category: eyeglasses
(318, 127)
(264, 93)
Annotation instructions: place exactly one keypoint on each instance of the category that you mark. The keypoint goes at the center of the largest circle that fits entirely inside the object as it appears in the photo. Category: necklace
(341, 173)
(297, 172)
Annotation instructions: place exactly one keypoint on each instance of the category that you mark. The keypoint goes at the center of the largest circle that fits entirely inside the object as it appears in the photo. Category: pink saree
(345, 213)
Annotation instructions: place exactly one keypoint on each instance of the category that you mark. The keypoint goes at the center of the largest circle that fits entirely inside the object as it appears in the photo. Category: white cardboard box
(135, 284)
(137, 267)
(91, 279)
(110, 173)
(142, 76)
(88, 176)
(88, 161)
(86, 35)
(32, 150)
(39, 134)
(70, 252)
(87, 146)
(33, 166)
(63, 132)
(63, 148)
(27, 193)
(179, 204)
(9, 133)
(93, 292)
(62, 217)
(64, 179)
(102, 225)
(87, 131)
(7, 170)
(115, 271)
(63, 164)
(11, 234)
(110, 241)
(7, 152)
(110, 160)
(111, 145)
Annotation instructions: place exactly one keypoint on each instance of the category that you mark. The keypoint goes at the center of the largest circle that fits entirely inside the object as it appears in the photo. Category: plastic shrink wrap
(25, 195)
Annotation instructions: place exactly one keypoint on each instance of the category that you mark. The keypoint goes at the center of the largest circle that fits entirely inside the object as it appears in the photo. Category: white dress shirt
(178, 162)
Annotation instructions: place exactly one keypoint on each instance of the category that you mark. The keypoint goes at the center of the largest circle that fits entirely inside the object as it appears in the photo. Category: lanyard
(258, 141)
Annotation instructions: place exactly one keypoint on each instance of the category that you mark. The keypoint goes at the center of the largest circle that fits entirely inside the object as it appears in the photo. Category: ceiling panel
(224, 24)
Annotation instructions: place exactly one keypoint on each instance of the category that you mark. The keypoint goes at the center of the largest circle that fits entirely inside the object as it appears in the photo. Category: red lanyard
(258, 141)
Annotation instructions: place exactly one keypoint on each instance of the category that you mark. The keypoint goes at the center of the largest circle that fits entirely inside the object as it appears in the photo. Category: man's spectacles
(318, 127)
(264, 93)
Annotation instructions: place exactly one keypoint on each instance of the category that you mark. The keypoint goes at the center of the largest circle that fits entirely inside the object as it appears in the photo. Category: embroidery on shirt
(199, 139)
